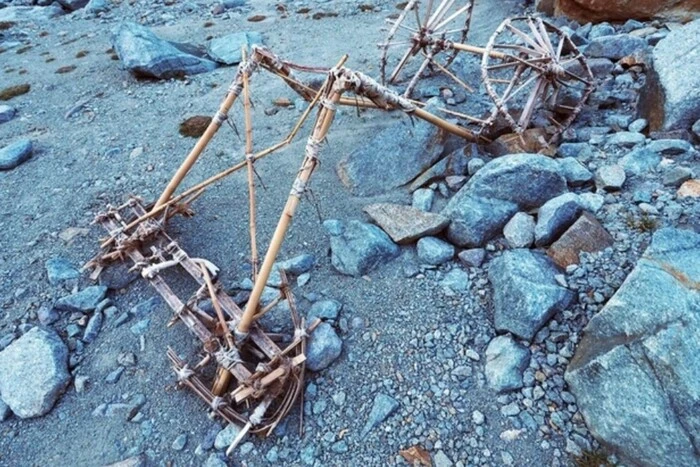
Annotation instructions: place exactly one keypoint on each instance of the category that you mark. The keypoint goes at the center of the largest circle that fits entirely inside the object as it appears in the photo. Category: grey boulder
(33, 372)
(506, 360)
(15, 153)
(495, 193)
(636, 372)
(392, 157)
(146, 55)
(671, 98)
(555, 216)
(323, 347)
(358, 247)
(228, 49)
(83, 301)
(525, 292)
(615, 46)
(434, 251)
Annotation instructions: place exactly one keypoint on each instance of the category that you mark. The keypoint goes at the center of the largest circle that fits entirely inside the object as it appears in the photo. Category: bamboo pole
(204, 140)
(323, 122)
(251, 173)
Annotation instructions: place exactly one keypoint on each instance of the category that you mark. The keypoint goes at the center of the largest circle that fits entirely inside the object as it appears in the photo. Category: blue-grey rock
(600, 30)
(215, 460)
(580, 151)
(625, 139)
(179, 442)
(146, 55)
(434, 251)
(392, 157)
(295, 266)
(358, 247)
(423, 199)
(555, 216)
(610, 177)
(382, 408)
(525, 292)
(47, 315)
(30, 14)
(95, 7)
(591, 202)
(456, 280)
(615, 46)
(7, 113)
(7, 339)
(519, 232)
(640, 161)
(60, 270)
(670, 99)
(675, 176)
(576, 174)
(506, 360)
(670, 147)
(145, 308)
(327, 310)
(638, 125)
(501, 188)
(114, 375)
(117, 276)
(227, 49)
(93, 327)
(15, 154)
(636, 373)
(473, 257)
(140, 327)
(84, 301)
(33, 372)
(323, 347)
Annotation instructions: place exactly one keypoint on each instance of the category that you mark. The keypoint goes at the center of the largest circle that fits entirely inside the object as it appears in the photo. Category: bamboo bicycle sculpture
(243, 374)
(528, 66)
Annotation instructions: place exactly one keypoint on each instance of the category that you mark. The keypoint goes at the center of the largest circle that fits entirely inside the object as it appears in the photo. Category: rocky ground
(448, 331)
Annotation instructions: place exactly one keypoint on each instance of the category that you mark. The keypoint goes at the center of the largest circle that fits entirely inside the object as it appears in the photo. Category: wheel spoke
(545, 35)
(440, 13)
(529, 108)
(416, 77)
(401, 64)
(520, 88)
(524, 37)
(427, 12)
(519, 48)
(450, 18)
(451, 75)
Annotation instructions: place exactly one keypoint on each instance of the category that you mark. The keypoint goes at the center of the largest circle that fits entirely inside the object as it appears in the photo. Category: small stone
(357, 247)
(610, 177)
(179, 443)
(226, 436)
(126, 359)
(478, 418)
(456, 280)
(60, 270)
(675, 176)
(626, 138)
(586, 234)
(440, 459)
(591, 202)
(47, 315)
(638, 125)
(140, 327)
(15, 154)
(576, 174)
(614, 47)
(327, 310)
(93, 327)
(423, 199)
(214, 461)
(228, 49)
(84, 301)
(474, 165)
(114, 375)
(39, 357)
(80, 382)
(519, 232)
(7, 113)
(506, 360)
(323, 347)
(405, 224)
(382, 408)
(434, 251)
(510, 410)
(473, 257)
(555, 216)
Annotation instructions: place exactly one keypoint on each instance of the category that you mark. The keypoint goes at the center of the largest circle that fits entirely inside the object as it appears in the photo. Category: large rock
(405, 224)
(12, 14)
(228, 49)
(357, 247)
(586, 234)
(323, 347)
(636, 372)
(671, 98)
(72, 5)
(506, 360)
(525, 292)
(496, 192)
(146, 55)
(83, 301)
(392, 157)
(615, 46)
(585, 11)
(14, 154)
(33, 372)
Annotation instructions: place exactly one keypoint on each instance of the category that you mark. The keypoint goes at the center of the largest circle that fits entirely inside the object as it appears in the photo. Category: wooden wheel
(419, 40)
(535, 75)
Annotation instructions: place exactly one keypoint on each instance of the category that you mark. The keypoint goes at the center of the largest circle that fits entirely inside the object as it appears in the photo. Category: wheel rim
(535, 75)
(418, 40)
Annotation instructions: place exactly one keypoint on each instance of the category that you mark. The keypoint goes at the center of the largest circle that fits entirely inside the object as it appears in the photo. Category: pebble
(478, 418)
(423, 199)
(7, 113)
(180, 442)
(114, 375)
(15, 154)
(610, 177)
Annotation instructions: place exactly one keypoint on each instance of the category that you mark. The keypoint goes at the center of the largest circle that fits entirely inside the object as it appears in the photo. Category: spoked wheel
(418, 40)
(535, 75)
